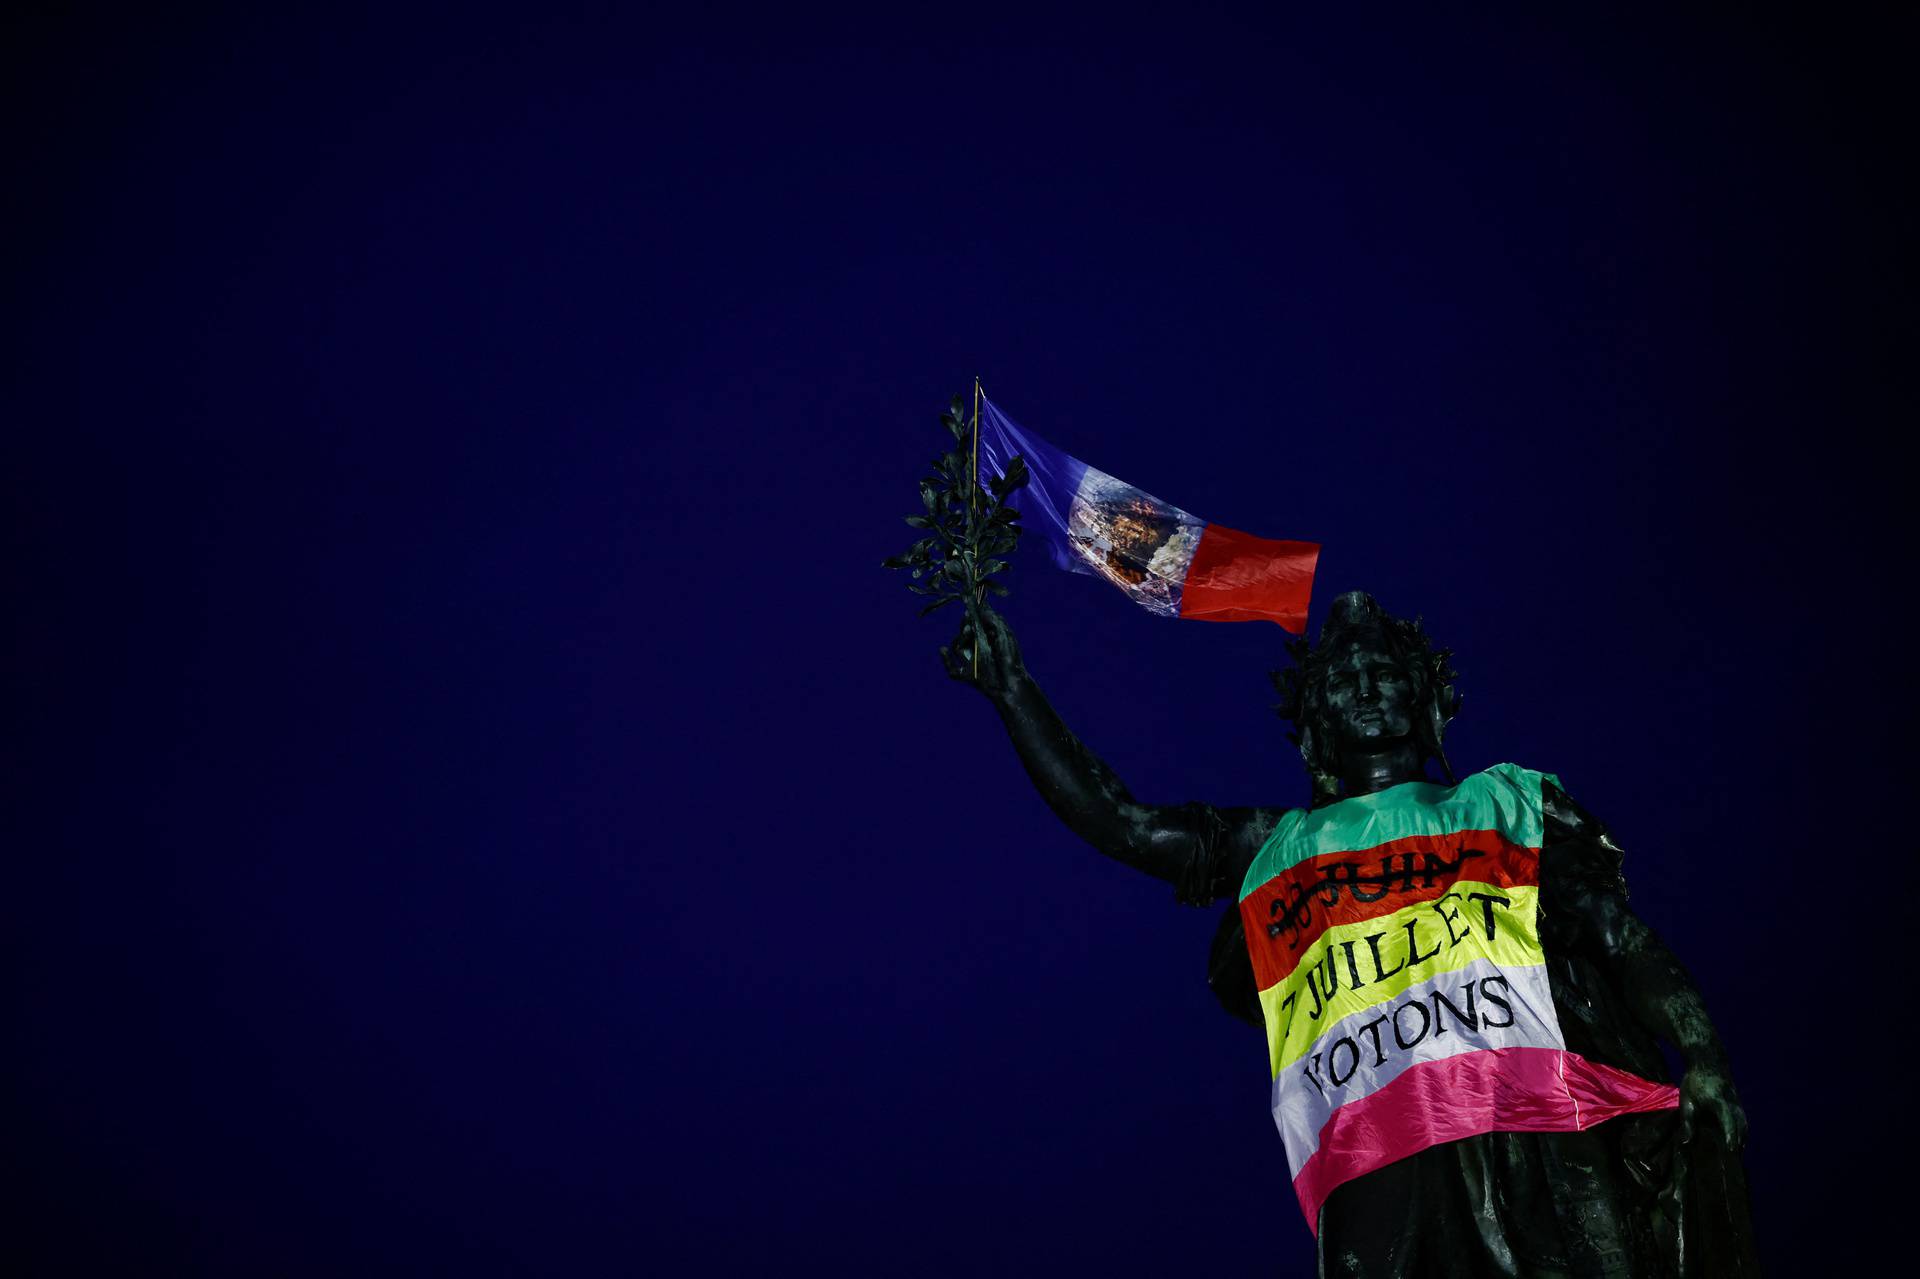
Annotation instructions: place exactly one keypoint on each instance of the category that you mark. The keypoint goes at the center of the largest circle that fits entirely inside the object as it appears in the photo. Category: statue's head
(1373, 682)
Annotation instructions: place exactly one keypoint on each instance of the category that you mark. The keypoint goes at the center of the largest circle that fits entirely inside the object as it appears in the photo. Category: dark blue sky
(481, 807)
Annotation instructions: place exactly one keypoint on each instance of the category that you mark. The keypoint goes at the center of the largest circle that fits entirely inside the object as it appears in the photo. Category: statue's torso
(1395, 940)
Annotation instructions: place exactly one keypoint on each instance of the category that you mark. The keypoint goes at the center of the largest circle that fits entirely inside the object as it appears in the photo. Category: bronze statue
(1646, 1191)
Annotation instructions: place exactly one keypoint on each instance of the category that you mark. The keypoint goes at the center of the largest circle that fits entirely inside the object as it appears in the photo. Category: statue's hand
(1707, 1101)
(998, 661)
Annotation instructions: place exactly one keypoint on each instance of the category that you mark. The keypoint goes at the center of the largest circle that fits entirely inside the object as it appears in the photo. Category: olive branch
(968, 527)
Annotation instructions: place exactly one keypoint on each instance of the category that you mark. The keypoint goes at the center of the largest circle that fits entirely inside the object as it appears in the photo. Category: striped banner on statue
(1395, 943)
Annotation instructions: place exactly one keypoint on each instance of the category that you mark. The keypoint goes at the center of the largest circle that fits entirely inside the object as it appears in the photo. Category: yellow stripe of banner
(1355, 966)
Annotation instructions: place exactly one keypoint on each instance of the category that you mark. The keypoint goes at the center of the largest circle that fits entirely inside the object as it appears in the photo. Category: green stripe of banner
(1505, 798)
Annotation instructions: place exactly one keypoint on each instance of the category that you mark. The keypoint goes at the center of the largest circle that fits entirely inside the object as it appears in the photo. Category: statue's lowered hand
(999, 657)
(1709, 1104)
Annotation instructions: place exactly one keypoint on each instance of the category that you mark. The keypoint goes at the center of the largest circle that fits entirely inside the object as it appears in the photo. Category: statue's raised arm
(1200, 849)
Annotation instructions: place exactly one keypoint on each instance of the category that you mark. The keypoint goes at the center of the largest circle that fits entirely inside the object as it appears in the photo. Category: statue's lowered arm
(1661, 995)
(1197, 847)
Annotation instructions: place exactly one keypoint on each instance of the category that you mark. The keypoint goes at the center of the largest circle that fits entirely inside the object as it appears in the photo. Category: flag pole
(973, 492)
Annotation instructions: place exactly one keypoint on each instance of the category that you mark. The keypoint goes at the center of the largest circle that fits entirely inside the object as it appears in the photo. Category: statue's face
(1368, 699)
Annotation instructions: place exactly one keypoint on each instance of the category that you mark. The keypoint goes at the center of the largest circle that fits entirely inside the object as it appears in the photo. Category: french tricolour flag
(1168, 561)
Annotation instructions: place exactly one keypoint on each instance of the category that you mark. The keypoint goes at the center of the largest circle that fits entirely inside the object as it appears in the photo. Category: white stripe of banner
(1454, 1013)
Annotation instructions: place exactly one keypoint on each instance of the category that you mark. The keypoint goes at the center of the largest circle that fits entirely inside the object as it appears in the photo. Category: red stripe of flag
(1237, 577)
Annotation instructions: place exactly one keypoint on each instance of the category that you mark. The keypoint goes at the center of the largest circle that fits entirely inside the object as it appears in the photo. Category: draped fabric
(1619, 1197)
(1396, 949)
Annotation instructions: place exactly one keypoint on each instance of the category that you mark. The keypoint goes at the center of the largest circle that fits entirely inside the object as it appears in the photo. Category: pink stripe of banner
(1498, 1090)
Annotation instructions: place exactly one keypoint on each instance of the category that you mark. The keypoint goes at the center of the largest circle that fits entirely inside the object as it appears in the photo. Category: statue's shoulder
(1515, 798)
(1521, 778)
(1577, 853)
(1548, 794)
(1274, 840)
(1530, 786)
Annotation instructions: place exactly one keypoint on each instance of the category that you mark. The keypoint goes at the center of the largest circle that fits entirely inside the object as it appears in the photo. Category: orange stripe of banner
(1285, 915)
